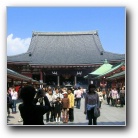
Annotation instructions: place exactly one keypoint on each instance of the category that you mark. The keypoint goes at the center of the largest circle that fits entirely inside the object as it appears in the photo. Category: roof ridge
(66, 33)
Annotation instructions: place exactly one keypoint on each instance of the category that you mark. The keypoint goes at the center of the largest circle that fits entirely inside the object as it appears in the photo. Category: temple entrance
(36, 77)
(50, 80)
(66, 80)
(81, 82)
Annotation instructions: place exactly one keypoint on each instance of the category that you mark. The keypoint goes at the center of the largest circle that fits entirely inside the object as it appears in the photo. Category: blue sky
(22, 21)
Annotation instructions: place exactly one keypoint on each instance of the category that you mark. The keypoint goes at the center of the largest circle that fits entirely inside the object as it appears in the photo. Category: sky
(110, 22)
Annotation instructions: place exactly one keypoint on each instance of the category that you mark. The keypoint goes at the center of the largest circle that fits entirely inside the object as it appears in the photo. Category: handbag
(96, 112)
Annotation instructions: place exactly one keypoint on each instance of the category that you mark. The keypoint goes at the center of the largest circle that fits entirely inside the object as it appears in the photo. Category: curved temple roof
(117, 75)
(65, 48)
(17, 76)
(102, 69)
(111, 70)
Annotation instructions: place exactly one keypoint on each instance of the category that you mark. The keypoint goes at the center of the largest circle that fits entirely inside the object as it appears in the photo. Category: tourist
(83, 92)
(122, 96)
(71, 105)
(108, 93)
(58, 109)
(114, 96)
(78, 94)
(100, 94)
(75, 99)
(51, 114)
(57, 93)
(91, 100)
(31, 113)
(104, 93)
(9, 102)
(14, 96)
(65, 107)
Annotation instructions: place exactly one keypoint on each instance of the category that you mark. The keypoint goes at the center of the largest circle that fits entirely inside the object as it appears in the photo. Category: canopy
(111, 70)
(117, 75)
(102, 69)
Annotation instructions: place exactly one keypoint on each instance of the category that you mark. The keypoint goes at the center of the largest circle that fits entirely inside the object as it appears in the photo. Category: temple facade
(62, 58)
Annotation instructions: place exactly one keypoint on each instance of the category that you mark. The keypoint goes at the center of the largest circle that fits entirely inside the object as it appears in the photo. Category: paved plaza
(110, 116)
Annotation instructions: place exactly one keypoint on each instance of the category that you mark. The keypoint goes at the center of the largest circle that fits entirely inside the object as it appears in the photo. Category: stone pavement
(110, 116)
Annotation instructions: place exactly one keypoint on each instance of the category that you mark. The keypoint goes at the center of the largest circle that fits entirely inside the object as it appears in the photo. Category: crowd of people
(60, 102)
(57, 104)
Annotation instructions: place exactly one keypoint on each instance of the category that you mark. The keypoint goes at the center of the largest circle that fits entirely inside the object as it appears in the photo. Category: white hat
(64, 93)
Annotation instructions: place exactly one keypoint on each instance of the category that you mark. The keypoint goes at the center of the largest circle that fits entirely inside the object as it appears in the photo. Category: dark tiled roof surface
(66, 49)
(19, 58)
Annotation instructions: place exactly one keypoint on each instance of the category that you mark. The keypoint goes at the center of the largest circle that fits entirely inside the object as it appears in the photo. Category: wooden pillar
(12, 82)
(44, 77)
(21, 83)
(75, 80)
(58, 80)
(41, 78)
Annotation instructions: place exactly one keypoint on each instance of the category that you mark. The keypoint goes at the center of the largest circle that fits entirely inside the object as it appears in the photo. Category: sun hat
(64, 93)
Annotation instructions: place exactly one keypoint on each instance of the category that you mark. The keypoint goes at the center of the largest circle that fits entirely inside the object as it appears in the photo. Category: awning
(111, 70)
(102, 69)
(117, 75)
(19, 77)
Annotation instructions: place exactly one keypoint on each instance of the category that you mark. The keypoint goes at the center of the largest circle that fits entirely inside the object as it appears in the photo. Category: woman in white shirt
(114, 97)
(100, 94)
(78, 97)
(14, 96)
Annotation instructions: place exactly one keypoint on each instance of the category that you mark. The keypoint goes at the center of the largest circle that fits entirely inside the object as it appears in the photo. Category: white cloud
(17, 45)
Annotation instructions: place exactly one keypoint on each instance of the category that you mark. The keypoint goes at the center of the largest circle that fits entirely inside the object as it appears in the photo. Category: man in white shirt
(50, 115)
(58, 94)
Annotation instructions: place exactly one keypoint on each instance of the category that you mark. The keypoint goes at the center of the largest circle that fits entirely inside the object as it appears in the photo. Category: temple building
(62, 58)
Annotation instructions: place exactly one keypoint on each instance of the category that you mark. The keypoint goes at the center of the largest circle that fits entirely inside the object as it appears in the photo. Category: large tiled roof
(65, 48)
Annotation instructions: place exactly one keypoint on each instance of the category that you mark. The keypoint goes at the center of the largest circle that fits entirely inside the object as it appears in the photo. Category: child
(65, 107)
(58, 108)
